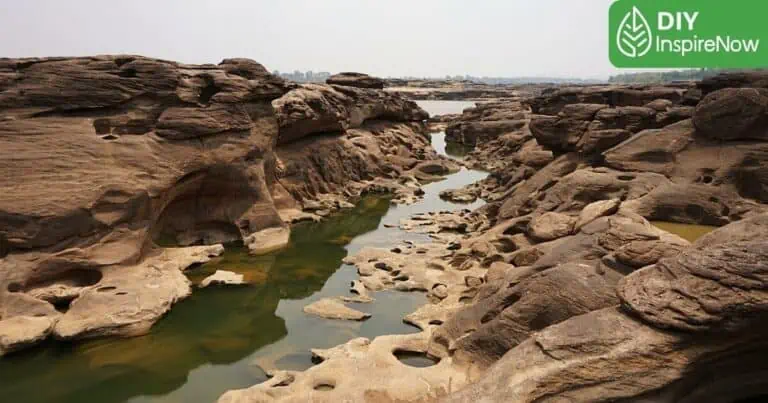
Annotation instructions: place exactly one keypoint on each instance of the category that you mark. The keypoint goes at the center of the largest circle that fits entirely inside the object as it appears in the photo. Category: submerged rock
(332, 308)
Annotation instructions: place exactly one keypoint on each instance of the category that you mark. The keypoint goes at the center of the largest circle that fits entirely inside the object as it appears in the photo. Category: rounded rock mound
(358, 80)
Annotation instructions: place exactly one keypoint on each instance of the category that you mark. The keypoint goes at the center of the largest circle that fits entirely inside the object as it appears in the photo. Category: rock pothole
(324, 387)
(415, 359)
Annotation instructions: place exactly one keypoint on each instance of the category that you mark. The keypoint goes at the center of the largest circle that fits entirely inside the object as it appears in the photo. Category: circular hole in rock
(415, 359)
(14, 287)
(707, 179)
(323, 387)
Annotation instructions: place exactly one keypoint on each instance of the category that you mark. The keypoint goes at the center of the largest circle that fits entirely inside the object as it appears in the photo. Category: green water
(689, 232)
(220, 338)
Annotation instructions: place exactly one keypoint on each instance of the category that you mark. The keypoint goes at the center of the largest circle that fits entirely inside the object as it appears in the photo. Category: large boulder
(733, 114)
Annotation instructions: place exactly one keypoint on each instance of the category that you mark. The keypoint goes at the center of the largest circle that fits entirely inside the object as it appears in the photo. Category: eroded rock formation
(107, 157)
(560, 288)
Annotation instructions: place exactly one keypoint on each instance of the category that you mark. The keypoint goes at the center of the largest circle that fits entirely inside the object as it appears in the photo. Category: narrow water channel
(221, 338)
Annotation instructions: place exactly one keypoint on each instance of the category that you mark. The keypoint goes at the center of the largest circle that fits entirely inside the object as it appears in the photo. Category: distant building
(304, 77)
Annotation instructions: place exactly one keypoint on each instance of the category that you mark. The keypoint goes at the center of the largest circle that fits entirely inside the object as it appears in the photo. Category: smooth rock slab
(331, 308)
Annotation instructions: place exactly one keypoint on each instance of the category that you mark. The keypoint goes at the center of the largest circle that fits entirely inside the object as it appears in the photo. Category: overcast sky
(561, 38)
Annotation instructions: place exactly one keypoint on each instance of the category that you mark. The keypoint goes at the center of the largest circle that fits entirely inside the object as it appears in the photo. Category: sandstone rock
(597, 141)
(267, 240)
(549, 226)
(674, 115)
(596, 210)
(472, 133)
(652, 150)
(331, 308)
(712, 296)
(522, 303)
(337, 377)
(564, 131)
(20, 332)
(151, 151)
(553, 102)
(459, 195)
(315, 109)
(359, 80)
(630, 118)
(223, 277)
(638, 254)
(732, 114)
(668, 294)
(127, 301)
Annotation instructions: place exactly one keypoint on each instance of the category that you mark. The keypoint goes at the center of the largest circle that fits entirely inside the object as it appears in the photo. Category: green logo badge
(688, 33)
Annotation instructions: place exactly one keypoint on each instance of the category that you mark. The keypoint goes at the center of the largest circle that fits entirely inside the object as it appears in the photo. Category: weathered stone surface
(521, 303)
(596, 210)
(20, 332)
(733, 113)
(652, 150)
(267, 240)
(552, 102)
(330, 308)
(549, 226)
(712, 296)
(315, 109)
(472, 133)
(150, 151)
(358, 80)
(669, 295)
(127, 301)
(337, 377)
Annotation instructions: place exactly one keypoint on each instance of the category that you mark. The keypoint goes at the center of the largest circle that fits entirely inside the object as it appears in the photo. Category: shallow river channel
(220, 338)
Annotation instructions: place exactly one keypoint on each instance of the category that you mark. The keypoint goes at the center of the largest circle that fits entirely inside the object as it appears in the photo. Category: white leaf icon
(634, 37)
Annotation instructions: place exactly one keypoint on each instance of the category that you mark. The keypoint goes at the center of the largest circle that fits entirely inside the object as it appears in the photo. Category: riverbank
(561, 287)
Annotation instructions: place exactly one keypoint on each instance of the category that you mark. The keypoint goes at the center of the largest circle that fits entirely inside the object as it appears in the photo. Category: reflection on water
(220, 338)
(689, 232)
(444, 107)
(216, 326)
(455, 150)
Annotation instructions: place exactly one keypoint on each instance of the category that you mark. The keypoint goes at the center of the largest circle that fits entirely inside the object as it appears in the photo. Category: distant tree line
(664, 76)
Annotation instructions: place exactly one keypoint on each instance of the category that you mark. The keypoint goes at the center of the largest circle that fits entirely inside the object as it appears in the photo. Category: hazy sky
(562, 38)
